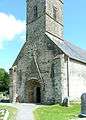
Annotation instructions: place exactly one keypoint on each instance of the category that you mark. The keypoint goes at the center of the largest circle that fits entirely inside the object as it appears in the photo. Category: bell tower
(40, 80)
(44, 16)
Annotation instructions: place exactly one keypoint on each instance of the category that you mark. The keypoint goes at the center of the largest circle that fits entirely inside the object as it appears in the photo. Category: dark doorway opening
(38, 95)
(34, 91)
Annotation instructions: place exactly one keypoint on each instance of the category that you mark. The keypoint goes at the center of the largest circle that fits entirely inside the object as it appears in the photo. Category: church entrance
(38, 93)
(34, 91)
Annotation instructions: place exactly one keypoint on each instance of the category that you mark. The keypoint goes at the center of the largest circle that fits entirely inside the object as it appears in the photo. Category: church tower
(43, 16)
(36, 71)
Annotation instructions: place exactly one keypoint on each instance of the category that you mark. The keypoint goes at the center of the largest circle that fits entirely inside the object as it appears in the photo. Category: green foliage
(57, 112)
(4, 80)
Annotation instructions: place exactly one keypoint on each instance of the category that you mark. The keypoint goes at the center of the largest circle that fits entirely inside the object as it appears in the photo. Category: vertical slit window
(35, 12)
(54, 13)
(20, 76)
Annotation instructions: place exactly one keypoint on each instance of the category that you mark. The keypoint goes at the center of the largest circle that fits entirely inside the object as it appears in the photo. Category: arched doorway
(34, 91)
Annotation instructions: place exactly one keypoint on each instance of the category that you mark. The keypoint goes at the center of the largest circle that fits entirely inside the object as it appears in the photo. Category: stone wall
(36, 64)
(35, 26)
(13, 84)
(59, 7)
(57, 84)
(60, 78)
(53, 26)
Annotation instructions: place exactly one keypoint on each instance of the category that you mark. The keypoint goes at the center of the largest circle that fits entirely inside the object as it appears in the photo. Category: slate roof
(69, 49)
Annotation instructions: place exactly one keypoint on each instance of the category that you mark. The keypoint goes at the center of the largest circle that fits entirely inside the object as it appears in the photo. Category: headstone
(50, 101)
(65, 102)
(83, 105)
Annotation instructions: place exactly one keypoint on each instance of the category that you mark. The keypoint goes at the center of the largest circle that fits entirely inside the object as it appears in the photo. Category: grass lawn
(57, 112)
(12, 111)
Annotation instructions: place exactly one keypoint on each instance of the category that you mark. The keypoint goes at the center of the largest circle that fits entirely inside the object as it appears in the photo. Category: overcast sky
(12, 27)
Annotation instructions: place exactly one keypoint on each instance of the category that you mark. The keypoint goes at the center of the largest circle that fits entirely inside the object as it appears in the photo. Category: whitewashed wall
(77, 79)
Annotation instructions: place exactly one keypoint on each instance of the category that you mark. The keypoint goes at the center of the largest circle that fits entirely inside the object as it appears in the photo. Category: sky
(13, 24)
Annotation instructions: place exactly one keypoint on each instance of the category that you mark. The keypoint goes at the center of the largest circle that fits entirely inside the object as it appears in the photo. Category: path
(25, 111)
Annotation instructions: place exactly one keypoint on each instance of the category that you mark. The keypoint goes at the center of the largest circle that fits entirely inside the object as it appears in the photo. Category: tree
(4, 80)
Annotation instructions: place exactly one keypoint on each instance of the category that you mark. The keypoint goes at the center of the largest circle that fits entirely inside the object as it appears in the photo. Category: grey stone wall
(57, 84)
(54, 26)
(60, 78)
(30, 11)
(59, 7)
(13, 84)
(27, 65)
(35, 25)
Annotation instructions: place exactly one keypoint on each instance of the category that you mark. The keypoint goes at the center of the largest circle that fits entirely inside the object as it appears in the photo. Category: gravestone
(83, 105)
(65, 102)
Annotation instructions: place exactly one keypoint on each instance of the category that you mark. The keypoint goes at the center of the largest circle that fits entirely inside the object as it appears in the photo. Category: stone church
(48, 68)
